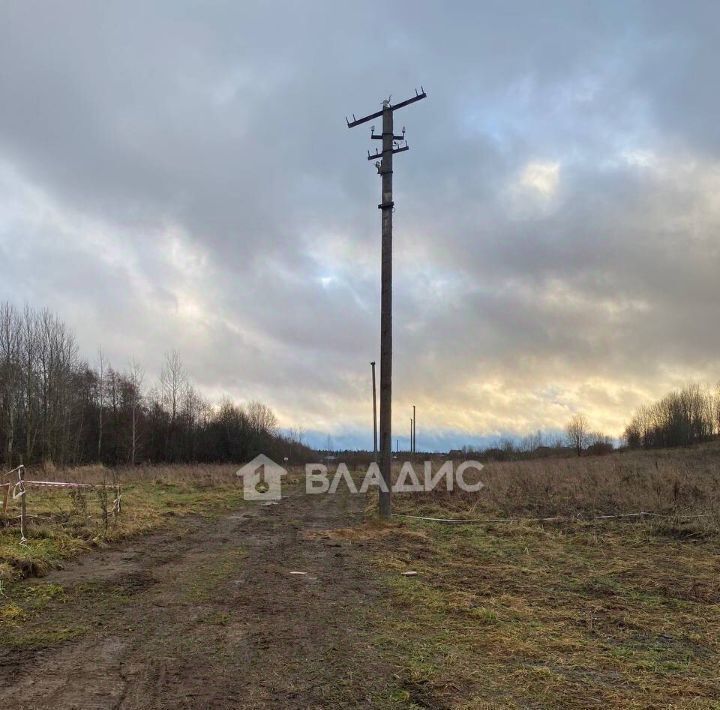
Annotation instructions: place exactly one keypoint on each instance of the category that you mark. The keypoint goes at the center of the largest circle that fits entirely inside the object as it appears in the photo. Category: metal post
(390, 145)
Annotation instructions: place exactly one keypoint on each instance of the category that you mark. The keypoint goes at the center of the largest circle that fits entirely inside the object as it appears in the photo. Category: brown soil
(208, 615)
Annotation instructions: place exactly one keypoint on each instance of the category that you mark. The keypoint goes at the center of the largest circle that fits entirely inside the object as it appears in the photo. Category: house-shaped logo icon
(262, 479)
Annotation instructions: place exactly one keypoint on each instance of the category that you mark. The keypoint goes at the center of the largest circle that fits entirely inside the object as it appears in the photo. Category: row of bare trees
(581, 438)
(684, 417)
(578, 439)
(55, 406)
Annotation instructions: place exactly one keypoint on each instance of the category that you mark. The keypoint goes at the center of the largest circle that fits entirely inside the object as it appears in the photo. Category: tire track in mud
(208, 615)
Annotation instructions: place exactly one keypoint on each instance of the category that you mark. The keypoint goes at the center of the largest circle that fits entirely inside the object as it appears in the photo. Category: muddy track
(208, 615)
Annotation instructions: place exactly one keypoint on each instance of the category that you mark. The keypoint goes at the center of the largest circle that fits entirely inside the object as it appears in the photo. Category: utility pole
(414, 430)
(372, 365)
(390, 146)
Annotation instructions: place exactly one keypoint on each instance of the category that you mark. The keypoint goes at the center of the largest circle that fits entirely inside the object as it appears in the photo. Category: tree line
(55, 406)
(683, 417)
(577, 439)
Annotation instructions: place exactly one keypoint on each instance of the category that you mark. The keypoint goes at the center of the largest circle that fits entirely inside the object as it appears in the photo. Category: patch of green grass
(204, 581)
(40, 554)
(12, 614)
(217, 618)
(61, 529)
(579, 616)
(40, 637)
(38, 596)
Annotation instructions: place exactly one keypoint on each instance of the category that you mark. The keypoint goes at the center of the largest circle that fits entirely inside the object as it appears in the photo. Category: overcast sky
(179, 175)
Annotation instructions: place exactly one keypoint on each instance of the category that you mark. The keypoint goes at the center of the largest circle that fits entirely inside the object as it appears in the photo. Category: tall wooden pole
(386, 207)
(372, 365)
(390, 146)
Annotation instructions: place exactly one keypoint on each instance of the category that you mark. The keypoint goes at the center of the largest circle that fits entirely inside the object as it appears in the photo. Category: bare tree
(296, 435)
(55, 406)
(193, 406)
(680, 418)
(172, 383)
(29, 347)
(261, 418)
(101, 402)
(10, 372)
(531, 442)
(56, 361)
(577, 432)
(135, 376)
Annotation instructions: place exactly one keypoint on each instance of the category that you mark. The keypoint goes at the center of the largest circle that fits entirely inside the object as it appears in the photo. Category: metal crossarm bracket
(379, 153)
(357, 121)
(407, 102)
(379, 136)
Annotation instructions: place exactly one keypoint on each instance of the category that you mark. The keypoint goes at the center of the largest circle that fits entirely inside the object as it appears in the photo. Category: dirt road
(208, 615)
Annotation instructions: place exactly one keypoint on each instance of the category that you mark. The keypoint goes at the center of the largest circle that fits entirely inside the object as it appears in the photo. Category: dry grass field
(575, 612)
(665, 481)
(504, 611)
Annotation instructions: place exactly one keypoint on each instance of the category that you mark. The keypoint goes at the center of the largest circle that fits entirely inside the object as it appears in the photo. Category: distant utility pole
(390, 146)
(414, 430)
(372, 365)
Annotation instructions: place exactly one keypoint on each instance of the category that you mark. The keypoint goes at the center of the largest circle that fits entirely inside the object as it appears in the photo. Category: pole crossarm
(357, 121)
(379, 153)
(379, 136)
(407, 102)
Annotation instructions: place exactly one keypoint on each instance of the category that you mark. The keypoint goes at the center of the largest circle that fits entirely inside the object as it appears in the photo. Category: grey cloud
(205, 143)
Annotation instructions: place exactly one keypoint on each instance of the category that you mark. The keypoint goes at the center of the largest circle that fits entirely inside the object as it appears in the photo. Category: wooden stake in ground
(23, 508)
(390, 146)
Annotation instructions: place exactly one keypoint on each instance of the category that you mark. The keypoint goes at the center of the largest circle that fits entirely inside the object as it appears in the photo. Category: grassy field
(61, 524)
(667, 481)
(505, 611)
(572, 613)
